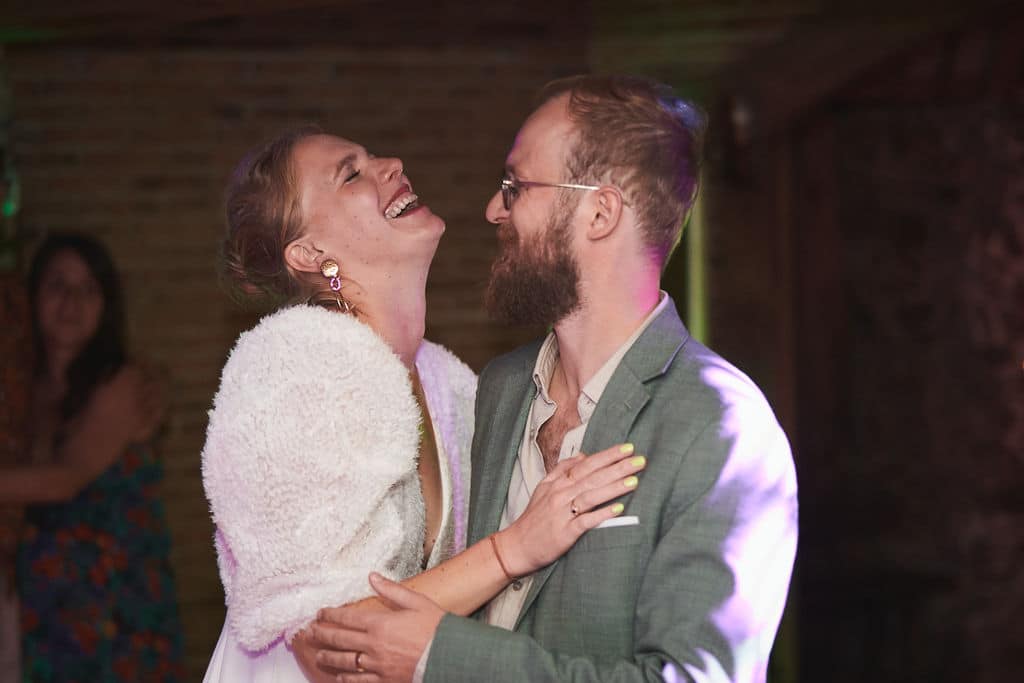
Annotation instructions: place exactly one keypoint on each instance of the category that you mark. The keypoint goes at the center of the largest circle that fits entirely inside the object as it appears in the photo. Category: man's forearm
(468, 651)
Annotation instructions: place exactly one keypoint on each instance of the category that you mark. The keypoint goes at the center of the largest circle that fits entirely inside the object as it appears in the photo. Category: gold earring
(329, 268)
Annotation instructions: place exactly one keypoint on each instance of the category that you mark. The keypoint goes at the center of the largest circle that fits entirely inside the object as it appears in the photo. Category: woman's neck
(58, 360)
(394, 305)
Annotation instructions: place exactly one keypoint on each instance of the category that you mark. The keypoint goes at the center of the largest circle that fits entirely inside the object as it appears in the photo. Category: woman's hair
(103, 354)
(263, 217)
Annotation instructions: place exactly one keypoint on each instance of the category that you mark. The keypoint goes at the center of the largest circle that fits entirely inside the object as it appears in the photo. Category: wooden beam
(770, 89)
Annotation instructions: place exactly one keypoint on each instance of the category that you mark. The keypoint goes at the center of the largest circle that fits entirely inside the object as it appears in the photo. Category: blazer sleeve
(313, 430)
(713, 589)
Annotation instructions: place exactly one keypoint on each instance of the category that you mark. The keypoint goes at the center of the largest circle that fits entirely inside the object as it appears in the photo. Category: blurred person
(97, 594)
(690, 586)
(339, 439)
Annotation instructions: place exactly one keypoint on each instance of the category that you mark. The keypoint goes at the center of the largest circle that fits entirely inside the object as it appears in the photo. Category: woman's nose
(391, 168)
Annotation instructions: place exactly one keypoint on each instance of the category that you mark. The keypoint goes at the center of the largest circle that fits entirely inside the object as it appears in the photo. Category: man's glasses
(511, 187)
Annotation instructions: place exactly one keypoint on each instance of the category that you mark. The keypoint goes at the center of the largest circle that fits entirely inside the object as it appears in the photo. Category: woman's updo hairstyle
(263, 217)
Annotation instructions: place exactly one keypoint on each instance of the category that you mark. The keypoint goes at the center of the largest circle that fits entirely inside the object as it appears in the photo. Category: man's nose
(496, 212)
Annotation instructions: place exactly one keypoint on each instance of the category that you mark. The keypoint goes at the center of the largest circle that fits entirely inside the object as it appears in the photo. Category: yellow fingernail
(626, 448)
(618, 508)
(631, 482)
(638, 461)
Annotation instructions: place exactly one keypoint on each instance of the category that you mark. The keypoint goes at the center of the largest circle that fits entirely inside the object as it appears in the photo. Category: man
(689, 584)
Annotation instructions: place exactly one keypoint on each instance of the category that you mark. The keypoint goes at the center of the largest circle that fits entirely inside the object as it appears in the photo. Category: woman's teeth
(397, 207)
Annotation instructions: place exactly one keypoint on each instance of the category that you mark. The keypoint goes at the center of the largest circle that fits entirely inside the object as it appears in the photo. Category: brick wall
(135, 147)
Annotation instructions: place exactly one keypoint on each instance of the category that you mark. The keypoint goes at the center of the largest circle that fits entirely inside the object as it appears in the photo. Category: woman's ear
(302, 257)
(607, 207)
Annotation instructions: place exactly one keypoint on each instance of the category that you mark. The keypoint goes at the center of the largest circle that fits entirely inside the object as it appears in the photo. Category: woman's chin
(421, 222)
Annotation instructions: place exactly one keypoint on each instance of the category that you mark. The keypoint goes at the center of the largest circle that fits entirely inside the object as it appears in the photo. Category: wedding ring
(572, 507)
(359, 667)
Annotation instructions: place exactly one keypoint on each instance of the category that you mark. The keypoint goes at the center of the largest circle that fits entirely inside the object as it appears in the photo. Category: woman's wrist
(513, 553)
(493, 538)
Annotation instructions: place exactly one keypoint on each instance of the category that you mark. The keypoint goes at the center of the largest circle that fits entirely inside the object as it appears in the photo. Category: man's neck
(591, 335)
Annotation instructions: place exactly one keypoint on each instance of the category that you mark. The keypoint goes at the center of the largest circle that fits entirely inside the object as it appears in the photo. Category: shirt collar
(595, 386)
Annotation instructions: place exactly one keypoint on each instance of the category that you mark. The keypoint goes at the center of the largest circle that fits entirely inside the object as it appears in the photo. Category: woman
(339, 439)
(97, 593)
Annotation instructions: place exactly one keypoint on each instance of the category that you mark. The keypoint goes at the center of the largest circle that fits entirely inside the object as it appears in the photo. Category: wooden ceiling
(818, 59)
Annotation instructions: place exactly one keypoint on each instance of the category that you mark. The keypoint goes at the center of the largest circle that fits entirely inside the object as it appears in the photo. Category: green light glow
(10, 35)
(696, 275)
(13, 200)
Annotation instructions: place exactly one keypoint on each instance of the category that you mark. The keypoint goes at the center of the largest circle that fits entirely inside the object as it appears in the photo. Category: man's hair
(634, 133)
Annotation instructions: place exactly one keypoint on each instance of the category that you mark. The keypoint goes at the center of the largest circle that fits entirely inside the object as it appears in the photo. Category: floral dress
(97, 593)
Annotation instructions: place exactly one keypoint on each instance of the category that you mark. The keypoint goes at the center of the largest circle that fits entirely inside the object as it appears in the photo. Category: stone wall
(911, 496)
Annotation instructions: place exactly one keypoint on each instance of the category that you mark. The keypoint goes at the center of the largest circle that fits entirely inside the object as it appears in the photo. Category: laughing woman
(339, 439)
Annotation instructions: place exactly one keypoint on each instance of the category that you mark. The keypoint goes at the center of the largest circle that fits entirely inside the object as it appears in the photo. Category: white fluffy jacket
(310, 466)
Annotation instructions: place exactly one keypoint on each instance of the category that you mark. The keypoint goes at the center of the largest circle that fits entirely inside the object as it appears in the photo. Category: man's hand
(388, 643)
(304, 649)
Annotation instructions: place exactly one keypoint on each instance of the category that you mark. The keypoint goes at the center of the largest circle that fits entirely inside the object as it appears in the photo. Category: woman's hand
(127, 408)
(564, 506)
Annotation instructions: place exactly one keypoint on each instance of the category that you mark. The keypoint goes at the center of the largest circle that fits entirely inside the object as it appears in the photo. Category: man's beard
(534, 281)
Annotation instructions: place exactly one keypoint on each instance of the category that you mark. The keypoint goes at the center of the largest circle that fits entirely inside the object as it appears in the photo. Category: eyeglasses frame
(509, 184)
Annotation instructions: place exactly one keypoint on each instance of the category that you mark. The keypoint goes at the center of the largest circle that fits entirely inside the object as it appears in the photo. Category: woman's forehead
(68, 261)
(325, 146)
(319, 154)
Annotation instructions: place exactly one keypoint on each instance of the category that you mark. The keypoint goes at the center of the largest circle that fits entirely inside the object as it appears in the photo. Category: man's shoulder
(713, 416)
(709, 384)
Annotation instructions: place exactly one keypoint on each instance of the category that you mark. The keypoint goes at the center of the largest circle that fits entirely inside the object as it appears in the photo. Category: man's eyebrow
(347, 162)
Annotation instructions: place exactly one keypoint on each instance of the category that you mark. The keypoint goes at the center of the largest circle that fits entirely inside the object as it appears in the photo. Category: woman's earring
(330, 269)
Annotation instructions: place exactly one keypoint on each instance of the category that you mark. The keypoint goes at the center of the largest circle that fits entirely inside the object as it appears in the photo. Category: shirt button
(517, 585)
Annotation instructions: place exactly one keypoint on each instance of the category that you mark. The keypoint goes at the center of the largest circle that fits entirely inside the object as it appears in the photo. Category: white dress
(310, 470)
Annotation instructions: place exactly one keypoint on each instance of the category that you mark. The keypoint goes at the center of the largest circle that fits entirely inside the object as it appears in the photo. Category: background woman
(339, 439)
(97, 593)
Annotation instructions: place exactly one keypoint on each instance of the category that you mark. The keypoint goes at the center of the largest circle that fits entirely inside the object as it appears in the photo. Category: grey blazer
(694, 591)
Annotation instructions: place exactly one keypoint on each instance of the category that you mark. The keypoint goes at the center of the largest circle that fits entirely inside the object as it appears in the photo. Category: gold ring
(359, 667)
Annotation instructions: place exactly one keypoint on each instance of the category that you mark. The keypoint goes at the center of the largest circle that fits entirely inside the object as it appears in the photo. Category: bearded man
(690, 582)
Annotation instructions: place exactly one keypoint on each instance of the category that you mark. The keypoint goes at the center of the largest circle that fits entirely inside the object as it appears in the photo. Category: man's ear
(302, 256)
(607, 212)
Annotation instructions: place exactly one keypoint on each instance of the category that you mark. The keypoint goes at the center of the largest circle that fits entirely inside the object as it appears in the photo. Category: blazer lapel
(623, 399)
(500, 449)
